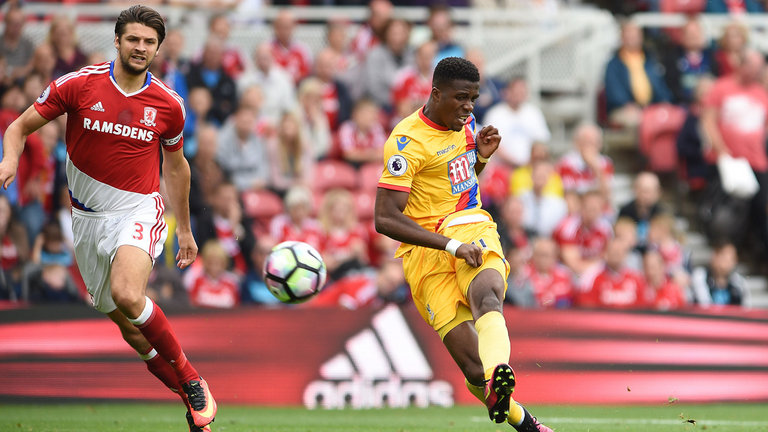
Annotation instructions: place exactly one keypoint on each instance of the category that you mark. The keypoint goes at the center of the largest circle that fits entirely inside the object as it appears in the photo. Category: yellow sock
(492, 341)
(477, 391)
(516, 413)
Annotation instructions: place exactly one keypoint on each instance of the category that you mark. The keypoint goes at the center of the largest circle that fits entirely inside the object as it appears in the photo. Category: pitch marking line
(638, 421)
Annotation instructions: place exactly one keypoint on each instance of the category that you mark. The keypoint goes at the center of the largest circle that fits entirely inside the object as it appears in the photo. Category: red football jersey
(625, 289)
(295, 59)
(577, 176)
(410, 85)
(113, 138)
(553, 289)
(590, 240)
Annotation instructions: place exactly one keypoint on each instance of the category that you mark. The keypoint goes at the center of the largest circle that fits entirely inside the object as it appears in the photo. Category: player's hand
(470, 253)
(488, 140)
(187, 249)
(7, 173)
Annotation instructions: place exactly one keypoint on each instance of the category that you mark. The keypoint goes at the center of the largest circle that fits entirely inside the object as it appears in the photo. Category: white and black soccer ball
(294, 272)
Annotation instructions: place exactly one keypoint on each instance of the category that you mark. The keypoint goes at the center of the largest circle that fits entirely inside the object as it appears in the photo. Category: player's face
(137, 47)
(457, 100)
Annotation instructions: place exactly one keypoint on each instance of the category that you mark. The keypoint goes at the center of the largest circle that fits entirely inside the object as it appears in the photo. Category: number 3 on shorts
(139, 231)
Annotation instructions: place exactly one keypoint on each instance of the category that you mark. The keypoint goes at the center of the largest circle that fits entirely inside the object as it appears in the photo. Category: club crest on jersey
(150, 114)
(461, 172)
(397, 165)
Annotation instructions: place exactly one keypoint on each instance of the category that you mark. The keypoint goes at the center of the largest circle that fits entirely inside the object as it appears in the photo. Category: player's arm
(487, 141)
(176, 174)
(390, 221)
(13, 143)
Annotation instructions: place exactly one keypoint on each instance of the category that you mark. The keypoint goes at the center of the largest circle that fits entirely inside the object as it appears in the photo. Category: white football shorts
(98, 235)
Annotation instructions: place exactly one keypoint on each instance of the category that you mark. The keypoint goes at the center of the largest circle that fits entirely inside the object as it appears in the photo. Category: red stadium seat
(659, 128)
(261, 206)
(364, 202)
(330, 174)
(368, 176)
(683, 6)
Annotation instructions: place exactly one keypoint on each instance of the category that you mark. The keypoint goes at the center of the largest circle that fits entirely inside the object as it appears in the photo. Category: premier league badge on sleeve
(397, 165)
(44, 96)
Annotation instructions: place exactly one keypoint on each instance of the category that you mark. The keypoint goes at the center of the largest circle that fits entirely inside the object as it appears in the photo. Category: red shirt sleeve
(54, 101)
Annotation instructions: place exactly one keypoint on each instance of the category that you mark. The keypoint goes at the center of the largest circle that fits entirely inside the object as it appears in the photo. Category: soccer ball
(294, 272)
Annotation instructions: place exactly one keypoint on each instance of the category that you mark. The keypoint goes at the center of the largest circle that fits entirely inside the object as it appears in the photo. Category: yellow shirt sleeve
(403, 158)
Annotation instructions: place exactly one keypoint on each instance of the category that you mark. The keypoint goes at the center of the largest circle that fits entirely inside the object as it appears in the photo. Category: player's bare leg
(128, 278)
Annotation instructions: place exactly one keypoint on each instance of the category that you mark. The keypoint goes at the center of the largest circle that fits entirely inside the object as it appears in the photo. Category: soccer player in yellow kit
(428, 199)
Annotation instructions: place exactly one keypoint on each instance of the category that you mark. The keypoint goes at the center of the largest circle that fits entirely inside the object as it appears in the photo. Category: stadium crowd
(285, 144)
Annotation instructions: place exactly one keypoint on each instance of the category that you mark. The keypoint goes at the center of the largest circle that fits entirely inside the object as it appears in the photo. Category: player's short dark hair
(142, 15)
(452, 69)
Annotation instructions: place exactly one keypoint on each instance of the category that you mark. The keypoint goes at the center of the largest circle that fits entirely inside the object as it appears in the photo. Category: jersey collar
(429, 122)
(112, 78)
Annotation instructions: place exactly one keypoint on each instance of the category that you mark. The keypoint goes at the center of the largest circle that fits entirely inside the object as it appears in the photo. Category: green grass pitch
(134, 417)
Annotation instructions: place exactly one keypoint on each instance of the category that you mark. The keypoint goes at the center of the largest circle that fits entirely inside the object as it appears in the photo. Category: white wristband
(453, 246)
(482, 159)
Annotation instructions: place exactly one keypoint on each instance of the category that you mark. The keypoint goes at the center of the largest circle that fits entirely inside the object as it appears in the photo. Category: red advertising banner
(389, 356)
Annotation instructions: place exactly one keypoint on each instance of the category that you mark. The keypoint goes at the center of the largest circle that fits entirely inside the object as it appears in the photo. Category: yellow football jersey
(435, 165)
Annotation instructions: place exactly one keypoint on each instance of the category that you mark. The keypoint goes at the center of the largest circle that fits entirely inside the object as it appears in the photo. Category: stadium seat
(682, 6)
(368, 176)
(658, 132)
(331, 174)
(261, 206)
(364, 202)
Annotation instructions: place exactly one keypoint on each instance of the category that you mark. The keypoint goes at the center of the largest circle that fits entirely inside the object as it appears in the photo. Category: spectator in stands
(253, 289)
(276, 85)
(519, 287)
(511, 225)
(667, 295)
(491, 90)
(616, 286)
(520, 123)
(290, 54)
(337, 103)
(663, 237)
(646, 204)
(719, 284)
(209, 72)
(343, 244)
(337, 40)
(225, 222)
(584, 168)
(297, 222)
(174, 66)
(734, 7)
(199, 103)
(542, 213)
(361, 139)
(626, 229)
(209, 284)
(14, 244)
(166, 287)
(371, 33)
(633, 79)
(206, 173)
(413, 83)
(440, 25)
(734, 121)
(732, 43)
(313, 120)
(243, 153)
(390, 283)
(43, 62)
(684, 64)
(690, 150)
(521, 180)
(582, 238)
(61, 36)
(15, 47)
(292, 160)
(551, 282)
(232, 60)
(384, 60)
(50, 281)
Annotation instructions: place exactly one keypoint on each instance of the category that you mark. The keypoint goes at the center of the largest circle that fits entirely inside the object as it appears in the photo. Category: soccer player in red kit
(118, 117)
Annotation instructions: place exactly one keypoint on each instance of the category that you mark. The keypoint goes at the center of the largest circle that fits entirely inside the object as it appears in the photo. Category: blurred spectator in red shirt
(616, 286)
(343, 242)
(666, 293)
(551, 282)
(208, 283)
(232, 59)
(371, 33)
(361, 139)
(61, 36)
(731, 44)
(297, 222)
(337, 103)
(584, 168)
(413, 83)
(292, 55)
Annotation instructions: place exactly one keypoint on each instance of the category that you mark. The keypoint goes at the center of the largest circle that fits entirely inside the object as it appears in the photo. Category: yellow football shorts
(439, 282)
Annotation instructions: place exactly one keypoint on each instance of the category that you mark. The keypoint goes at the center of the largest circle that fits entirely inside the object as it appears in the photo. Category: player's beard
(125, 61)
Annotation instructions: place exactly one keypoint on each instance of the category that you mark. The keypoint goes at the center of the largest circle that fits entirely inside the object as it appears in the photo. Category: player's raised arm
(13, 143)
(390, 221)
(176, 174)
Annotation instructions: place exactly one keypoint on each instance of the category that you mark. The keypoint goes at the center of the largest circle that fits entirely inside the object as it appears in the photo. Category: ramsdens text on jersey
(118, 129)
